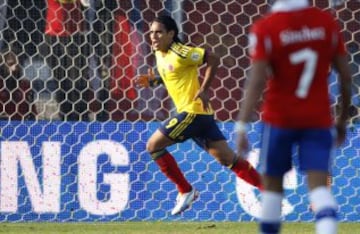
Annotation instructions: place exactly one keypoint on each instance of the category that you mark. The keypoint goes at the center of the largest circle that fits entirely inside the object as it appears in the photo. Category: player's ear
(171, 34)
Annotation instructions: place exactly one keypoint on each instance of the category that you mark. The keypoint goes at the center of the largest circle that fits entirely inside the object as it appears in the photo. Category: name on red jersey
(305, 34)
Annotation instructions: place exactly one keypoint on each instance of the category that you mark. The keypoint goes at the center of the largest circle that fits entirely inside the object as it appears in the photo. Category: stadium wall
(99, 171)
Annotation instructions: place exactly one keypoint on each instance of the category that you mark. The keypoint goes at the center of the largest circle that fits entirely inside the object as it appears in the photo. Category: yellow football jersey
(179, 70)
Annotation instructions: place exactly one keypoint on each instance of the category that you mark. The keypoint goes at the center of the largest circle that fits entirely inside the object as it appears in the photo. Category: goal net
(74, 128)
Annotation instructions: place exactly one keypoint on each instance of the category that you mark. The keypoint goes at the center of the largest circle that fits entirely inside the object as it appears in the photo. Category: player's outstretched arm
(253, 91)
(341, 65)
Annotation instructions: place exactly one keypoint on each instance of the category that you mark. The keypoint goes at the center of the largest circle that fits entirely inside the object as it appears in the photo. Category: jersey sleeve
(258, 44)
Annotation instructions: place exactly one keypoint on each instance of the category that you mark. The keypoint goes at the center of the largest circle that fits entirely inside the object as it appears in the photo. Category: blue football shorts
(313, 147)
(200, 128)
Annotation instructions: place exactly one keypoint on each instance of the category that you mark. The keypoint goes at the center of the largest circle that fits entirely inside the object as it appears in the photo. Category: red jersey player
(292, 49)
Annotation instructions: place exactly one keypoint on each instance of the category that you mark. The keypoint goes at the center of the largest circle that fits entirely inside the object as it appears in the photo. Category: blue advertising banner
(77, 171)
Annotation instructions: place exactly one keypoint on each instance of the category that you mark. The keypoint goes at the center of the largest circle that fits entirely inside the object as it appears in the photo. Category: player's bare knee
(152, 146)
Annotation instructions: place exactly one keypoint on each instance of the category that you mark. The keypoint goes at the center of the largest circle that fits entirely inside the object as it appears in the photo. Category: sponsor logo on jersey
(195, 56)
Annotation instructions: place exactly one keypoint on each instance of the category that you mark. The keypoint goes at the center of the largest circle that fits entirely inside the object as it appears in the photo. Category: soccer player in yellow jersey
(178, 66)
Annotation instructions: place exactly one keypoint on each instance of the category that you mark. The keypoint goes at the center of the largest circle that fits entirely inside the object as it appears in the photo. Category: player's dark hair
(170, 25)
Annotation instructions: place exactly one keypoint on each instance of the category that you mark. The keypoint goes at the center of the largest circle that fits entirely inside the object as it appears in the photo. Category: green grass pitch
(161, 227)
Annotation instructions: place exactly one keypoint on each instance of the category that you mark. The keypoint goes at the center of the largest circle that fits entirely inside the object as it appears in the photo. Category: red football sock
(244, 170)
(172, 171)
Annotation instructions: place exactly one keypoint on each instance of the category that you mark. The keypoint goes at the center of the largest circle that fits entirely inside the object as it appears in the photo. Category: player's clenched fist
(145, 80)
